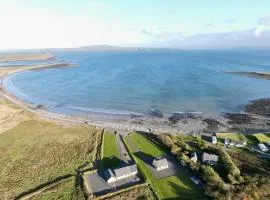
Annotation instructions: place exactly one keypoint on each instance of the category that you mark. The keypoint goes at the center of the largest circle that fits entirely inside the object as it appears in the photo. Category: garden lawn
(174, 187)
(110, 153)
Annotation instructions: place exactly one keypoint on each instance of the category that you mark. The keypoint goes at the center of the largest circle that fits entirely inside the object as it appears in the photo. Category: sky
(33, 24)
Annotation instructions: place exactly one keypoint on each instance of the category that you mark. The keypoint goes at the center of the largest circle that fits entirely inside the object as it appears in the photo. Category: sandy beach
(7, 57)
(123, 123)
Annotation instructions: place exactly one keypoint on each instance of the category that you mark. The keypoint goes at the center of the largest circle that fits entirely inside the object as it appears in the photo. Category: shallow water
(133, 81)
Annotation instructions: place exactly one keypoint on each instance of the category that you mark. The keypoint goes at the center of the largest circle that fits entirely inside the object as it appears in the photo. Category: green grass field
(110, 153)
(174, 187)
(262, 137)
(232, 136)
(35, 152)
(250, 138)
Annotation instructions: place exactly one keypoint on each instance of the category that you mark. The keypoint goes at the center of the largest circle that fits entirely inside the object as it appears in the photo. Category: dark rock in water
(155, 112)
(135, 116)
(259, 107)
(213, 124)
(238, 118)
(176, 117)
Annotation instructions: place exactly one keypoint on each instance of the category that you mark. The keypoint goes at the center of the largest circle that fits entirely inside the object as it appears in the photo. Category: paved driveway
(148, 159)
(97, 185)
(124, 156)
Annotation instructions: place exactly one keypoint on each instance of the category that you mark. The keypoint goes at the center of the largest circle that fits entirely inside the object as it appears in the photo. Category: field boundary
(147, 181)
(120, 191)
(40, 188)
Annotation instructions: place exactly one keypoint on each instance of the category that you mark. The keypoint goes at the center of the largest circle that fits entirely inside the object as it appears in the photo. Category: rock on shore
(259, 107)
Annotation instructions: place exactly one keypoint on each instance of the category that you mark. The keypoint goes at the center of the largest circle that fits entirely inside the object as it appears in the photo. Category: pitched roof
(193, 154)
(262, 147)
(161, 162)
(125, 170)
(209, 157)
(109, 173)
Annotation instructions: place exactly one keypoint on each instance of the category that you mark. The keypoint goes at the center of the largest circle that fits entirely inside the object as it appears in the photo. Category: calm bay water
(133, 81)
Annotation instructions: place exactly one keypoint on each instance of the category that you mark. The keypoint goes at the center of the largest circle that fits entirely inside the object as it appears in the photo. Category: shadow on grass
(147, 158)
(252, 139)
(111, 162)
(154, 139)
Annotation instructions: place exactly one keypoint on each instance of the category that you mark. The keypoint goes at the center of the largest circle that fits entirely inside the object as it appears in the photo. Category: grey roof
(125, 170)
(193, 154)
(262, 147)
(161, 162)
(109, 173)
(209, 157)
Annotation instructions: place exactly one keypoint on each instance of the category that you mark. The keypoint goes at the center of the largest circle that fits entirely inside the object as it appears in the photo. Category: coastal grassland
(110, 153)
(232, 136)
(36, 151)
(172, 187)
(255, 171)
(10, 115)
(63, 190)
(262, 137)
(252, 139)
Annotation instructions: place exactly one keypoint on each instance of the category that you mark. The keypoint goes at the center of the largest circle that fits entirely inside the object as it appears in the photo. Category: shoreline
(122, 123)
(260, 75)
(25, 56)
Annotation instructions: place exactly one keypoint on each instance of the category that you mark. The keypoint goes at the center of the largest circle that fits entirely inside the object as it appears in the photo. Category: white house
(240, 143)
(226, 141)
(214, 139)
(262, 147)
(160, 164)
(229, 142)
(194, 157)
(113, 175)
(209, 158)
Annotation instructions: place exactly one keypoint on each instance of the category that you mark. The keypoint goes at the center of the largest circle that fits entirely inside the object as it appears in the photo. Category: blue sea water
(134, 81)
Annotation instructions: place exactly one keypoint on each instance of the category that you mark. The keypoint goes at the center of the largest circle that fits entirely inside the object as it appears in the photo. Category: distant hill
(105, 48)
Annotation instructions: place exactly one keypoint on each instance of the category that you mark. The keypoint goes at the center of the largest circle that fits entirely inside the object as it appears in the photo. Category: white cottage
(113, 175)
(160, 164)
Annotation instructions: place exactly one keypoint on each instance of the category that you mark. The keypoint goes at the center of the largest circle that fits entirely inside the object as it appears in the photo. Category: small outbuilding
(229, 142)
(160, 164)
(194, 157)
(214, 140)
(262, 147)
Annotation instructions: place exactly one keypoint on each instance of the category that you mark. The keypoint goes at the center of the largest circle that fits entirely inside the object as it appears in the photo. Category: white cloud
(262, 27)
(28, 27)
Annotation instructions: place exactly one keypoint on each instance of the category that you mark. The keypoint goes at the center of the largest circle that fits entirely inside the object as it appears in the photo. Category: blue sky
(160, 23)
